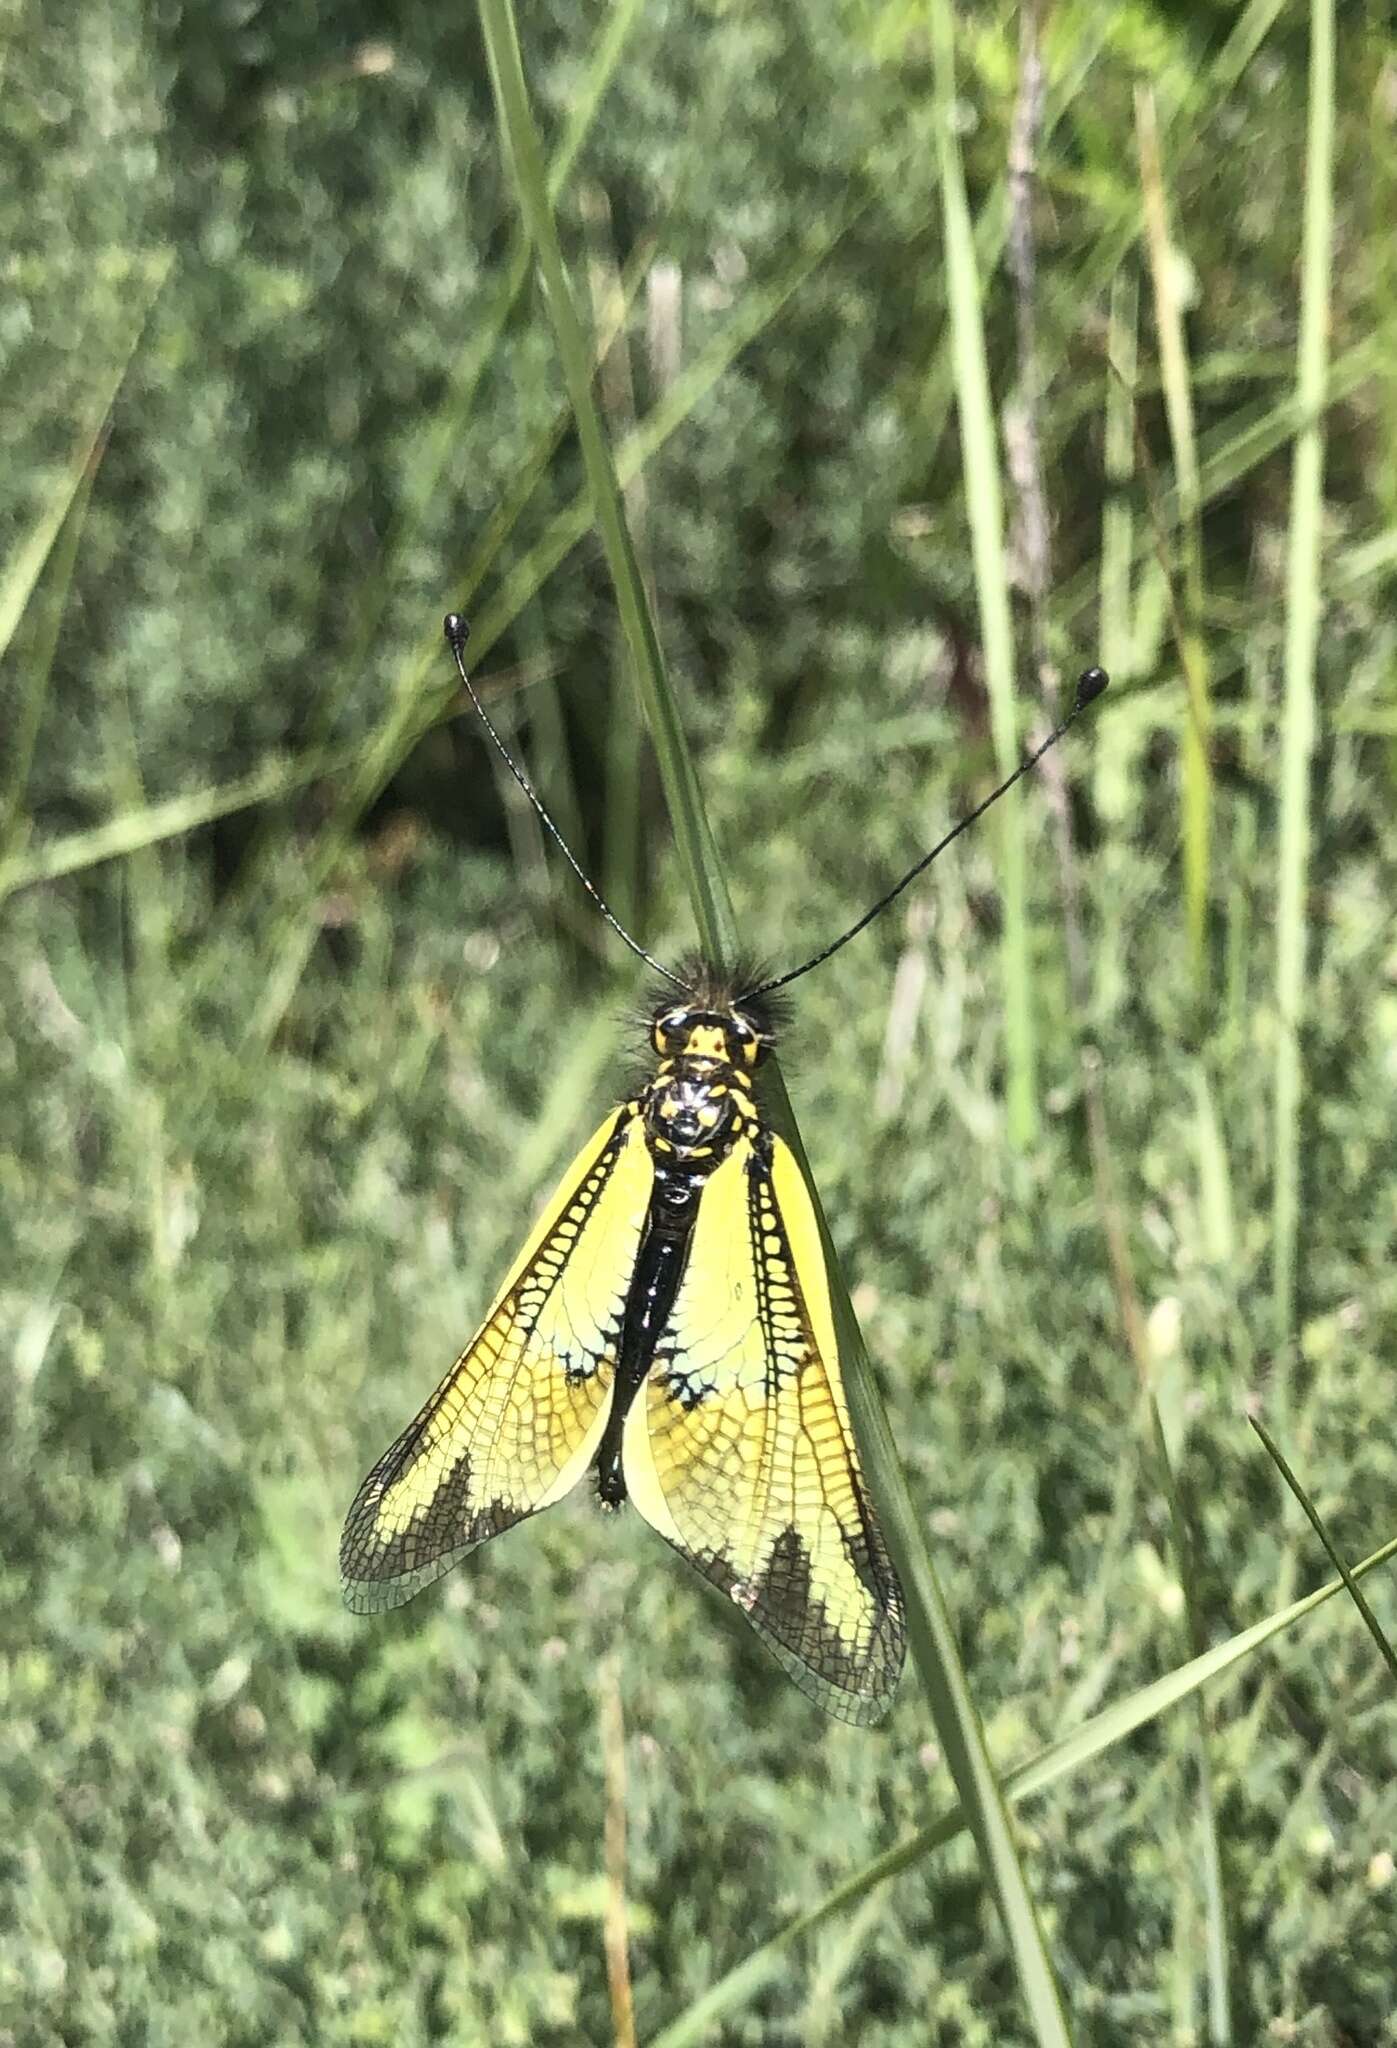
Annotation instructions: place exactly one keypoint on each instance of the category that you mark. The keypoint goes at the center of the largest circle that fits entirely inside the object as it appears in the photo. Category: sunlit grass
(296, 1032)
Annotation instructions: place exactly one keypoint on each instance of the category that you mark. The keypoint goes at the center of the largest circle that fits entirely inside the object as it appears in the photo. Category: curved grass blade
(62, 513)
(38, 666)
(413, 704)
(930, 1631)
(1057, 1761)
(441, 433)
(693, 838)
(568, 526)
(1370, 1620)
(130, 831)
(446, 426)
(23, 569)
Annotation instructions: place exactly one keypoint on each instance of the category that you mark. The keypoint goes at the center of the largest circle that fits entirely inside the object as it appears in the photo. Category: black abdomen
(664, 1253)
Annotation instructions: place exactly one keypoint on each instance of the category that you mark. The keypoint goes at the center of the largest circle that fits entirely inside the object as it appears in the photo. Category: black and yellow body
(667, 1327)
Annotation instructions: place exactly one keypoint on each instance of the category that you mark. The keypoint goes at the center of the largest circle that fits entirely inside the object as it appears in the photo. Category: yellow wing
(739, 1450)
(517, 1420)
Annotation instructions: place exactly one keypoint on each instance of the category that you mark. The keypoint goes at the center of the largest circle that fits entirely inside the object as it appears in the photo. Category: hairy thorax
(694, 1109)
(698, 1102)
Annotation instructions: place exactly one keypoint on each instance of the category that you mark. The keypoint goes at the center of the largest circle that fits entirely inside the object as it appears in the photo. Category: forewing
(741, 1453)
(516, 1421)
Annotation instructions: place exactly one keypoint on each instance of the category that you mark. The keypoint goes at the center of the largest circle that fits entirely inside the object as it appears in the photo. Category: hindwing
(516, 1421)
(739, 1448)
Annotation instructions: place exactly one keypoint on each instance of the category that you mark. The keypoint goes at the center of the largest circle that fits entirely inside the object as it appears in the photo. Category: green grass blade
(1121, 730)
(621, 795)
(1302, 632)
(25, 565)
(1111, 761)
(1370, 1620)
(413, 704)
(38, 668)
(985, 508)
(1248, 33)
(1230, 455)
(1072, 55)
(61, 513)
(1059, 1760)
(693, 839)
(1178, 402)
(569, 526)
(129, 831)
(1214, 1902)
(505, 516)
(932, 1638)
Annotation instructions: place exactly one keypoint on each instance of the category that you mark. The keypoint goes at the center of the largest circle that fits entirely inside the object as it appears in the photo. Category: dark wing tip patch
(364, 1594)
(852, 1680)
(383, 1568)
(758, 1482)
(510, 1426)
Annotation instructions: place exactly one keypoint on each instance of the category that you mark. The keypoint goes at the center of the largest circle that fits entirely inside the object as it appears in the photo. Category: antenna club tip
(1090, 685)
(456, 630)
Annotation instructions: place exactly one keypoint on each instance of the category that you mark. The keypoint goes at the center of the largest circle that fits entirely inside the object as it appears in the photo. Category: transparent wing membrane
(740, 1450)
(516, 1421)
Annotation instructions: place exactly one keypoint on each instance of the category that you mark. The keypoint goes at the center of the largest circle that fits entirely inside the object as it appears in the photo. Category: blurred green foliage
(280, 1094)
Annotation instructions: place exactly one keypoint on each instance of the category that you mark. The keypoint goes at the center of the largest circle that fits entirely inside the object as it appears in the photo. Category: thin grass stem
(985, 512)
(1331, 1549)
(1302, 611)
(1196, 778)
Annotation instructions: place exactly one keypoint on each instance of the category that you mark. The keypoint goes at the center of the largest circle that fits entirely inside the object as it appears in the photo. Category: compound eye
(670, 1028)
(748, 1043)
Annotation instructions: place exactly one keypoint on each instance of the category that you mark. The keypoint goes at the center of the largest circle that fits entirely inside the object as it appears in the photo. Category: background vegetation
(299, 1019)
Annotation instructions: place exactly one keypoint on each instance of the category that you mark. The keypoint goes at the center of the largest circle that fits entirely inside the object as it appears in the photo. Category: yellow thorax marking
(706, 1041)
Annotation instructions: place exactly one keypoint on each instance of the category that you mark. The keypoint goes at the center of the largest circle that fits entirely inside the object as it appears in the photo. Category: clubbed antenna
(457, 632)
(1090, 685)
